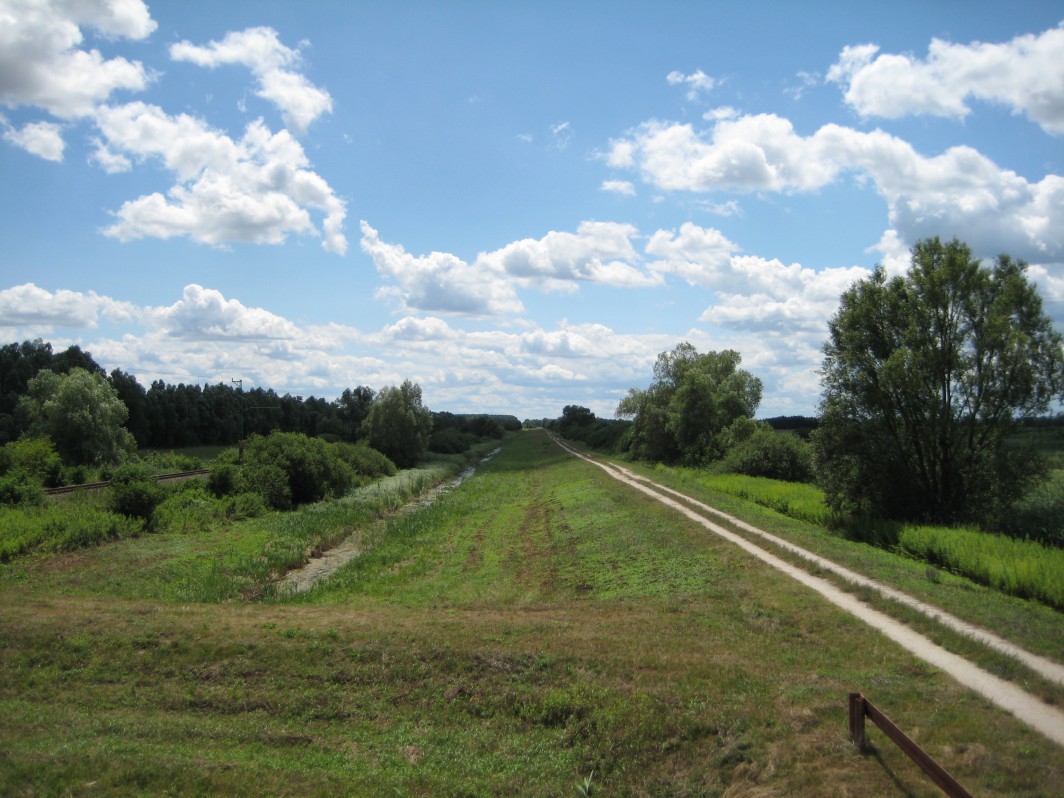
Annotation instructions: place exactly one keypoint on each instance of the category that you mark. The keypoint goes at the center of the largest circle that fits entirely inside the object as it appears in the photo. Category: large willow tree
(925, 379)
(692, 400)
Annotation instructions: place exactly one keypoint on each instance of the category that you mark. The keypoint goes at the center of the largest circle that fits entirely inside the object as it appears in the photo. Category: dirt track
(1035, 713)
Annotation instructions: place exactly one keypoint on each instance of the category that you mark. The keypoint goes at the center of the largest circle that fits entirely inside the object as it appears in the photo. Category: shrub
(37, 457)
(246, 505)
(767, 453)
(76, 475)
(450, 441)
(1039, 515)
(134, 492)
(222, 480)
(288, 468)
(18, 488)
(366, 461)
(268, 481)
(171, 462)
(189, 509)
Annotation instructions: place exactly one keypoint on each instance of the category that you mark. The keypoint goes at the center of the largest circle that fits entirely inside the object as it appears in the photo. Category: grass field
(537, 627)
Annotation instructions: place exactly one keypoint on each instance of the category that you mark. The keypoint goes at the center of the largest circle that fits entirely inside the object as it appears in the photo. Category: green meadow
(539, 630)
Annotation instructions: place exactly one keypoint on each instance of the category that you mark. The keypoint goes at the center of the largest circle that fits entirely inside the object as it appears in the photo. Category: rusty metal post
(857, 716)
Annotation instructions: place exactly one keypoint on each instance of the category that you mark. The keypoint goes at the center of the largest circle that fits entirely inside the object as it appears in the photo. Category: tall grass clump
(73, 525)
(1023, 568)
(795, 499)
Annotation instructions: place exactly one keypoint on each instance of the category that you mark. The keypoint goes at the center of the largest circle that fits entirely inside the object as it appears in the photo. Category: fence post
(857, 716)
(860, 707)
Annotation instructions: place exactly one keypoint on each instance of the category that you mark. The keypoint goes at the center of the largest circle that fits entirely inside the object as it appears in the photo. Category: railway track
(175, 477)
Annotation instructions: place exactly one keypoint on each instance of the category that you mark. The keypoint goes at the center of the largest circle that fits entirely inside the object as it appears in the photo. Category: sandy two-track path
(1035, 713)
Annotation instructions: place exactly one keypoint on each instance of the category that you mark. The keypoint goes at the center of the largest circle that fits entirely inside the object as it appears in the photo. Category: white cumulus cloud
(260, 49)
(43, 63)
(30, 306)
(1023, 74)
(697, 83)
(43, 139)
(205, 314)
(257, 189)
(598, 252)
(959, 193)
(438, 282)
(623, 187)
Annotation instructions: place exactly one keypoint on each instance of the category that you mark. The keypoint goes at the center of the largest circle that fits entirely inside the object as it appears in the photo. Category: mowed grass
(538, 625)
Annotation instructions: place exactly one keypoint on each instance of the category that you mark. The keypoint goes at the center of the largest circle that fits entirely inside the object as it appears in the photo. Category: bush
(1039, 515)
(20, 488)
(189, 509)
(288, 468)
(245, 505)
(134, 492)
(222, 480)
(767, 453)
(367, 462)
(173, 462)
(76, 475)
(36, 457)
(269, 482)
(450, 441)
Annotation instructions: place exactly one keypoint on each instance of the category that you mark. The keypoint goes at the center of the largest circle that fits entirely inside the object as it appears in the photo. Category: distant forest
(166, 416)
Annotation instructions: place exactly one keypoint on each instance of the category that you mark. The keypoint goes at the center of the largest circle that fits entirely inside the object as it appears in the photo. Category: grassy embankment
(537, 625)
(1024, 568)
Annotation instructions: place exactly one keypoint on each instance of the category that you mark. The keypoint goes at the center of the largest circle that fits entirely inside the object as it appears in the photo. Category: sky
(517, 205)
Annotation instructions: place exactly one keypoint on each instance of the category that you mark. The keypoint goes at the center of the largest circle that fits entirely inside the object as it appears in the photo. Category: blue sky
(517, 205)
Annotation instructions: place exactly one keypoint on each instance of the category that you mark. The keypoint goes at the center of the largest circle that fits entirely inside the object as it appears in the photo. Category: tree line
(929, 380)
(92, 417)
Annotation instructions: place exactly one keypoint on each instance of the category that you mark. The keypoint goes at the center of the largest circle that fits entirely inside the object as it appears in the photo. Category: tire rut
(1040, 716)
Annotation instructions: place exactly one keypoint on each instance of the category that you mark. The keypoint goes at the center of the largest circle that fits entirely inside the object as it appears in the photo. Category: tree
(398, 424)
(82, 415)
(135, 398)
(692, 400)
(352, 408)
(925, 378)
(20, 363)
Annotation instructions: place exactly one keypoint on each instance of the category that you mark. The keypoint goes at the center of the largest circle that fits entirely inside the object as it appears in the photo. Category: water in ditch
(329, 561)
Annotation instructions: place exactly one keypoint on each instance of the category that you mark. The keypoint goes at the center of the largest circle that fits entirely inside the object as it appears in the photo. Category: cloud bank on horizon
(208, 154)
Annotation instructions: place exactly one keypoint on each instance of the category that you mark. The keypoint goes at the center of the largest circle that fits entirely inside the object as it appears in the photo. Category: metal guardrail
(861, 707)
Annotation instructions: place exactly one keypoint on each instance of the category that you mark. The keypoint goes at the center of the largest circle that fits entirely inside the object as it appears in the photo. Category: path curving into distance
(1040, 716)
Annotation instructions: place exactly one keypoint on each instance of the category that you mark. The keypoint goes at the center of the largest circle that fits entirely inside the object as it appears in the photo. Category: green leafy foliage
(1039, 515)
(399, 424)
(222, 479)
(367, 463)
(134, 491)
(450, 441)
(19, 487)
(70, 526)
(288, 468)
(767, 453)
(692, 400)
(82, 415)
(36, 457)
(925, 377)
